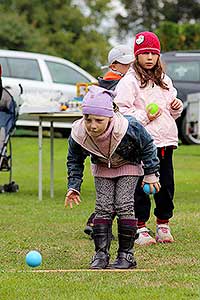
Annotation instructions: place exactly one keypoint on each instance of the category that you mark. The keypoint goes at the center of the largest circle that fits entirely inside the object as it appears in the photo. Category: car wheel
(192, 137)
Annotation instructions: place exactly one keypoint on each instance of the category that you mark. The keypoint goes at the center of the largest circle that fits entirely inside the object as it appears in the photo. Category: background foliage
(148, 14)
(81, 30)
(179, 37)
(56, 27)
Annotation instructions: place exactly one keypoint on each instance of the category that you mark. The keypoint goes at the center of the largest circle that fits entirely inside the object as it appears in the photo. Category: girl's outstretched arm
(72, 197)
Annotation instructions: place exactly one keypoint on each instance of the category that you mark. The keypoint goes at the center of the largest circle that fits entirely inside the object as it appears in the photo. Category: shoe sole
(112, 268)
(146, 244)
(98, 268)
(164, 241)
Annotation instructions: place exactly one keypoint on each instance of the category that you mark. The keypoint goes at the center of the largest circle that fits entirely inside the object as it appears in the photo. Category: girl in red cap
(146, 80)
(120, 150)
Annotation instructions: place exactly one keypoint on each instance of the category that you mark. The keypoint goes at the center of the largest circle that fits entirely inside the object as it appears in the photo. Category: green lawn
(164, 271)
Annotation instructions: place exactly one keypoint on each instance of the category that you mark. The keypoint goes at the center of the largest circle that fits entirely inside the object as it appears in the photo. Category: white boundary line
(92, 270)
(78, 270)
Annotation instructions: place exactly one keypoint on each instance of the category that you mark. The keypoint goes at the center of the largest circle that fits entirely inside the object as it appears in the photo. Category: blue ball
(146, 189)
(33, 258)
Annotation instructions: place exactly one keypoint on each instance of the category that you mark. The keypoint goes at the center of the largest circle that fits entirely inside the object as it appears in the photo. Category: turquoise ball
(146, 189)
(33, 258)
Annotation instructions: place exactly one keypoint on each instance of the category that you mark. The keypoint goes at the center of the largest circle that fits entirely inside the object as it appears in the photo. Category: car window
(4, 64)
(184, 70)
(24, 69)
(64, 74)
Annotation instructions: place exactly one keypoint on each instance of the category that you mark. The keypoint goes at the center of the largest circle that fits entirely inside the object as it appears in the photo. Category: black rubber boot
(127, 229)
(102, 233)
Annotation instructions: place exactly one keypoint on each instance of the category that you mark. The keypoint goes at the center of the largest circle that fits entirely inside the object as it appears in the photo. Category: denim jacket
(136, 146)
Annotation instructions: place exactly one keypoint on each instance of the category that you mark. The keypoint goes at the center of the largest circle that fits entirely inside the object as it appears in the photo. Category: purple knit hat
(98, 101)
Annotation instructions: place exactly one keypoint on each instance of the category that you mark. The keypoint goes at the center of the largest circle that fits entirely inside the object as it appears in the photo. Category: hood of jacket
(80, 135)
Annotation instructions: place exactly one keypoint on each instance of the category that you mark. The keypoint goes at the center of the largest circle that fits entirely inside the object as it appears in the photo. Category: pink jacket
(120, 167)
(132, 100)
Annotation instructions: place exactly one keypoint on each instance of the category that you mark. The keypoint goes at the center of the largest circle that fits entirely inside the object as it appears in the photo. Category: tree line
(79, 30)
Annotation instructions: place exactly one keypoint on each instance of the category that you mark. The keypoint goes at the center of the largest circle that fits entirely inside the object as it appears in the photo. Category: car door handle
(21, 89)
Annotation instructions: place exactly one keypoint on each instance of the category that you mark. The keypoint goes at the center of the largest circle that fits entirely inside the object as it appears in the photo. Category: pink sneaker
(163, 234)
(144, 238)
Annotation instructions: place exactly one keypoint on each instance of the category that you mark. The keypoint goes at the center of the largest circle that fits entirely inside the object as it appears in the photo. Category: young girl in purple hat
(120, 58)
(121, 151)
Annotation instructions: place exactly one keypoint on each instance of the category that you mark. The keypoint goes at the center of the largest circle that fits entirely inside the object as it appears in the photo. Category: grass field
(164, 271)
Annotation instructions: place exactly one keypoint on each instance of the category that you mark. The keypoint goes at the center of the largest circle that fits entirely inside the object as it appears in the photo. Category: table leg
(40, 159)
(52, 160)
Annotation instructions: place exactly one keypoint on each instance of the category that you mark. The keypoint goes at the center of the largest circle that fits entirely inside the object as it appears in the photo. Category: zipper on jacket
(109, 164)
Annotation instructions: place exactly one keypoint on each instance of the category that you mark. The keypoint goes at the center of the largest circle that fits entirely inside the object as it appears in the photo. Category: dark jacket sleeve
(148, 150)
(75, 164)
(149, 158)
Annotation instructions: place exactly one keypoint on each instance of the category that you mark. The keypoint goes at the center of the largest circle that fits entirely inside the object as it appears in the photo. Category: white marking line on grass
(78, 270)
(93, 270)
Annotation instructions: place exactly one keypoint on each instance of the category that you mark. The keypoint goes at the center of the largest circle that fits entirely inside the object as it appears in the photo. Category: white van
(39, 73)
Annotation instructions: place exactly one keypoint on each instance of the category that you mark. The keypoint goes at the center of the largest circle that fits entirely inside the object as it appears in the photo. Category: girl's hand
(175, 104)
(155, 185)
(154, 116)
(72, 196)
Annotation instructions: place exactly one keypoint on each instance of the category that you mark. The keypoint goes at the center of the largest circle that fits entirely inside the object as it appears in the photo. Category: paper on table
(47, 102)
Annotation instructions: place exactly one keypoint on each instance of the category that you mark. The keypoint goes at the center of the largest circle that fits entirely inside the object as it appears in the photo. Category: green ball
(152, 108)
